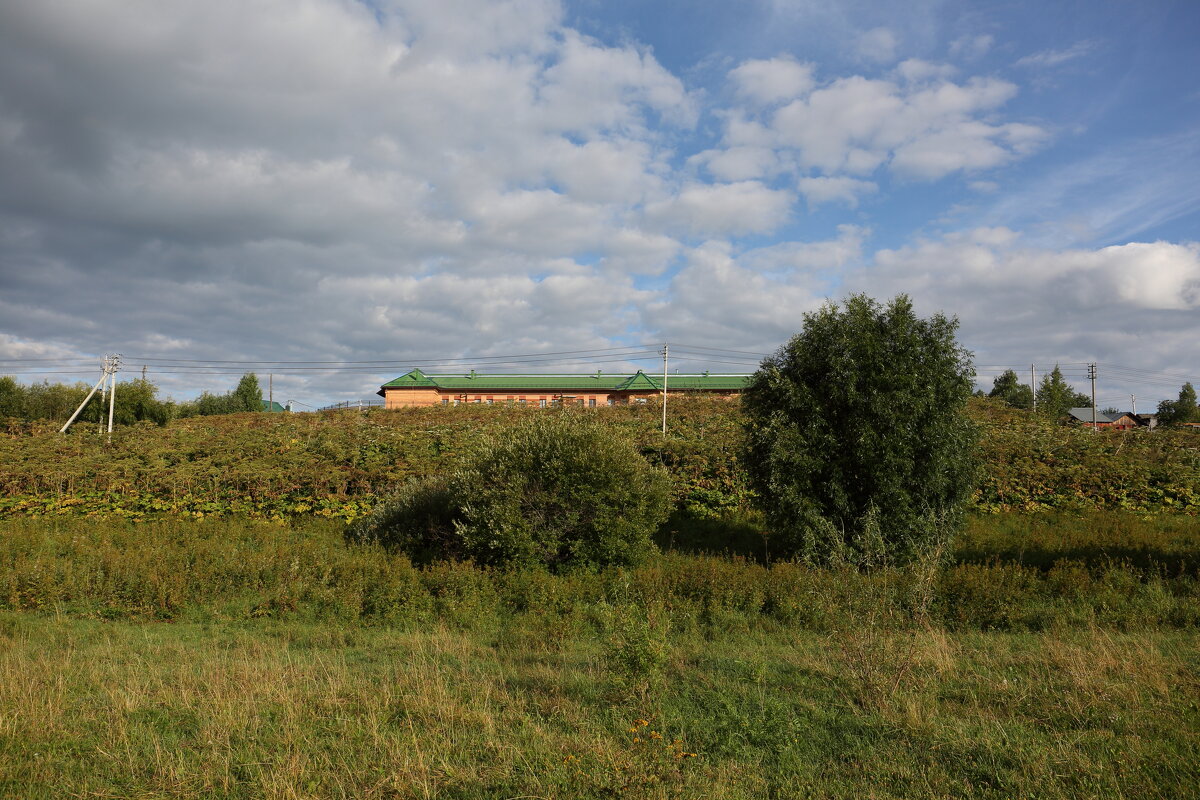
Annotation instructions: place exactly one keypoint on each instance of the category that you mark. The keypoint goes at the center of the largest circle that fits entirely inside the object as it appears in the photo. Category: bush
(559, 489)
(859, 445)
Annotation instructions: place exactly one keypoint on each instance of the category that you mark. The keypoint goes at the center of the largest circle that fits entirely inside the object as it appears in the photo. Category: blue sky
(326, 180)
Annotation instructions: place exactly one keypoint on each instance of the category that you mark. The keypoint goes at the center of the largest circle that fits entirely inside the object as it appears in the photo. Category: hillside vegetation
(336, 463)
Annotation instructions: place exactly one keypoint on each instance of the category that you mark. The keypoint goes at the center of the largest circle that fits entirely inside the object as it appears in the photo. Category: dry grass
(289, 710)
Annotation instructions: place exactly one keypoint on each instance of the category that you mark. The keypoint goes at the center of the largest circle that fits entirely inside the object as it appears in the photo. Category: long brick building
(415, 388)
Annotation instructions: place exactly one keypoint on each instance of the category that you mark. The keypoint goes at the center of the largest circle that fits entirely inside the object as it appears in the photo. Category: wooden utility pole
(666, 349)
(1033, 385)
(270, 392)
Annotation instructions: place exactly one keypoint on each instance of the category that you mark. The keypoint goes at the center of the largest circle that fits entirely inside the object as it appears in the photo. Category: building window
(445, 401)
(490, 401)
(542, 402)
(522, 401)
(612, 402)
(591, 402)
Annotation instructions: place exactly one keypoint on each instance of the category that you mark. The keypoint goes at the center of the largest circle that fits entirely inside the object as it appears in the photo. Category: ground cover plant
(227, 658)
(335, 463)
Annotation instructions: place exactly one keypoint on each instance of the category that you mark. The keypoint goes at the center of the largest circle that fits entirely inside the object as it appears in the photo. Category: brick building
(415, 388)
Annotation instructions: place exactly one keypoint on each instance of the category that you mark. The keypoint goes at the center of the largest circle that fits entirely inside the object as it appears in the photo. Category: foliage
(858, 444)
(1008, 388)
(1013, 573)
(1182, 409)
(245, 397)
(557, 489)
(1033, 464)
(335, 464)
(136, 401)
(1055, 397)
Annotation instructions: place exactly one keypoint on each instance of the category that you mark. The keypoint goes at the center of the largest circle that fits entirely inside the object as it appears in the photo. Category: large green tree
(858, 445)
(1181, 410)
(1008, 387)
(1055, 397)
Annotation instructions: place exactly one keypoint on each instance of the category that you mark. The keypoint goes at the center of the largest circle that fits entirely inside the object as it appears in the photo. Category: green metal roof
(596, 382)
(272, 406)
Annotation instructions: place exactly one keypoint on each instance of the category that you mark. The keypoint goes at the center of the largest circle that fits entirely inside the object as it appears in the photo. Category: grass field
(1053, 657)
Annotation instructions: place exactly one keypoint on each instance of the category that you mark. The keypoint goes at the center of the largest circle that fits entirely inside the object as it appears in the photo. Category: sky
(332, 191)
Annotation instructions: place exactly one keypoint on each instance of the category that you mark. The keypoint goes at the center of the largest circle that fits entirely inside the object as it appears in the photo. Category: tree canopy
(1008, 388)
(1056, 397)
(1182, 409)
(858, 444)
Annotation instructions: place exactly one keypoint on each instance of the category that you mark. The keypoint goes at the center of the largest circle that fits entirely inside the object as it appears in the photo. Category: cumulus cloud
(921, 125)
(843, 190)
(768, 81)
(1132, 304)
(762, 293)
(723, 209)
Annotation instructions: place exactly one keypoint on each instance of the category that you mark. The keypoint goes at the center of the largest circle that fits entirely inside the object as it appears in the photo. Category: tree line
(1055, 397)
(136, 401)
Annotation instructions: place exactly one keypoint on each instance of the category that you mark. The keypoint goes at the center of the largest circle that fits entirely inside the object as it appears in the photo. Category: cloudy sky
(411, 182)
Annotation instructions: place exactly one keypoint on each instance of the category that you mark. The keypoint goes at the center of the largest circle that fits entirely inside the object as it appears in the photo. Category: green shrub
(858, 444)
(558, 489)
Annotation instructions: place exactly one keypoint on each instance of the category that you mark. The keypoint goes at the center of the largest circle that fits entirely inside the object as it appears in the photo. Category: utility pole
(1133, 403)
(270, 392)
(1033, 385)
(112, 390)
(143, 373)
(666, 350)
(103, 378)
(1092, 375)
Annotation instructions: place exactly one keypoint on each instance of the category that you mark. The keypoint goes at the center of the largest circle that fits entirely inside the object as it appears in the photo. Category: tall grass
(182, 569)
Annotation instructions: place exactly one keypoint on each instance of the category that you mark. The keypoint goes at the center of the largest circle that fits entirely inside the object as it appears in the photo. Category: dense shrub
(859, 445)
(557, 489)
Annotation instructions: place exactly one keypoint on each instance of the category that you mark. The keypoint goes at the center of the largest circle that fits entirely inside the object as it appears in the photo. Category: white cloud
(1052, 58)
(925, 126)
(739, 163)
(728, 209)
(764, 82)
(878, 45)
(844, 190)
(1132, 304)
(972, 47)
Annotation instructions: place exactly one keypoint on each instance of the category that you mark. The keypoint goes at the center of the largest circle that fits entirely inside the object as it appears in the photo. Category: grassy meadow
(1051, 657)
(181, 616)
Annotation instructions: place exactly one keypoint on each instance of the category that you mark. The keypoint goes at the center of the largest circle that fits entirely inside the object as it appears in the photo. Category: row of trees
(136, 401)
(1055, 397)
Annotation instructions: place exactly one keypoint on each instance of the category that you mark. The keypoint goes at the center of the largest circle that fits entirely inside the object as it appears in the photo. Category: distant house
(1125, 421)
(272, 407)
(1084, 416)
(416, 388)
